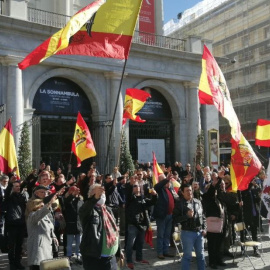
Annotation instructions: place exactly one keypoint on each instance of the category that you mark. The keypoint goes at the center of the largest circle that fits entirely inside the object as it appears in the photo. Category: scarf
(110, 227)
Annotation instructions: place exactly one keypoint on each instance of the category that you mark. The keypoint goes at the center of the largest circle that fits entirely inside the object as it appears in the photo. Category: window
(226, 48)
(267, 32)
(245, 41)
(268, 71)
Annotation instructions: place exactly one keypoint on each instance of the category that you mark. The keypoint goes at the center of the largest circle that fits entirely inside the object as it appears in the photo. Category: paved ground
(169, 264)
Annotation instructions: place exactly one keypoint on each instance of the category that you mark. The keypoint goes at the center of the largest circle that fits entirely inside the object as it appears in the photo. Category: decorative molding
(10, 60)
(114, 75)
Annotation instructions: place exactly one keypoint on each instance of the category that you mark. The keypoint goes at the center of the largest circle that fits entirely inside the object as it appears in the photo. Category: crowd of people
(88, 213)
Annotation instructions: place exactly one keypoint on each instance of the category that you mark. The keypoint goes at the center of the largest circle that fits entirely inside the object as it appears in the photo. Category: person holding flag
(137, 221)
(163, 214)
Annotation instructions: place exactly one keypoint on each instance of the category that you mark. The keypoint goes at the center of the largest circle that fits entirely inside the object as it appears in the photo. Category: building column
(68, 8)
(14, 96)
(210, 117)
(114, 79)
(194, 122)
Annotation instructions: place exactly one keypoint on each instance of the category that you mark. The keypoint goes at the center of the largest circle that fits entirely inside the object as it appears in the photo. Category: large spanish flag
(245, 165)
(8, 157)
(263, 133)
(134, 101)
(82, 145)
(102, 29)
(156, 170)
(213, 90)
(60, 40)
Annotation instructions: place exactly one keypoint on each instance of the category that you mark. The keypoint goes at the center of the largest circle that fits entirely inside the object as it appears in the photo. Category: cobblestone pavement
(169, 263)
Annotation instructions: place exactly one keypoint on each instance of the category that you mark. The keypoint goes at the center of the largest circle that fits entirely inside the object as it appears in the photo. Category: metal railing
(159, 41)
(48, 18)
(60, 20)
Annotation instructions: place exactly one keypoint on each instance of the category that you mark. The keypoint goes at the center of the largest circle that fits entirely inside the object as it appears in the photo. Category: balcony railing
(47, 18)
(60, 20)
(158, 41)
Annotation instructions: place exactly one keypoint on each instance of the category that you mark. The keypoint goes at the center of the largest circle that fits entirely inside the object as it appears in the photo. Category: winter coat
(14, 206)
(72, 206)
(92, 223)
(161, 207)
(40, 228)
(137, 211)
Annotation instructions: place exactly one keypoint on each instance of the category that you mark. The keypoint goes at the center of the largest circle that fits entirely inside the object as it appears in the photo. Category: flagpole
(69, 163)
(121, 138)
(114, 114)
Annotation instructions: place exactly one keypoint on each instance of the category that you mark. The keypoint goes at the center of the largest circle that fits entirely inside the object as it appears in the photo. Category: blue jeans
(164, 227)
(70, 238)
(189, 240)
(134, 233)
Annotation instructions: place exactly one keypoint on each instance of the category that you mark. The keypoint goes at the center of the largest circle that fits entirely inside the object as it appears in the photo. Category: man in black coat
(15, 205)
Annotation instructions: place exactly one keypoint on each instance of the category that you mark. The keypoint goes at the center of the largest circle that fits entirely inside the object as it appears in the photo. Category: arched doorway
(158, 126)
(57, 102)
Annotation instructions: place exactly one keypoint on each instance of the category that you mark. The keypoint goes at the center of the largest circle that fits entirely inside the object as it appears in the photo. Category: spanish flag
(244, 164)
(8, 157)
(82, 145)
(213, 90)
(156, 170)
(263, 133)
(134, 101)
(102, 29)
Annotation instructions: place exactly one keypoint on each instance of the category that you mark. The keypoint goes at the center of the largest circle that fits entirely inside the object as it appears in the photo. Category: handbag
(214, 224)
(120, 263)
(53, 264)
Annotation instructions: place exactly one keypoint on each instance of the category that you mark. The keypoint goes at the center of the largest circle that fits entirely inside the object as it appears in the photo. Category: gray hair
(3, 177)
(91, 189)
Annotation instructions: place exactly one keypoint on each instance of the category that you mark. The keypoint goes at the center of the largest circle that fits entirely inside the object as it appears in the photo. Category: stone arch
(86, 84)
(177, 108)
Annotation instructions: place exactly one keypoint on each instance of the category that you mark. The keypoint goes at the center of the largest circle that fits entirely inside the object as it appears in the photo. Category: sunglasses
(135, 186)
(139, 174)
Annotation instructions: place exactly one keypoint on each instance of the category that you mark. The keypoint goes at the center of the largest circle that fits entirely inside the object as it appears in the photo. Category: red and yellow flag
(263, 133)
(156, 170)
(61, 39)
(82, 145)
(8, 157)
(213, 90)
(101, 30)
(244, 164)
(134, 101)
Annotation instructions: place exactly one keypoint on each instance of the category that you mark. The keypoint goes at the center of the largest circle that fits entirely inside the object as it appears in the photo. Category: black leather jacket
(92, 224)
(191, 224)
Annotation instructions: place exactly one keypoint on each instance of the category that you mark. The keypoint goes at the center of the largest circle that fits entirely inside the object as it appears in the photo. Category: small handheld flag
(263, 133)
(244, 164)
(156, 170)
(8, 157)
(82, 145)
(134, 101)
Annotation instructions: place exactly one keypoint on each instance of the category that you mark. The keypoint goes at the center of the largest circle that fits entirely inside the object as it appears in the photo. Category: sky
(173, 7)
